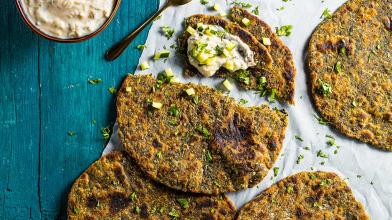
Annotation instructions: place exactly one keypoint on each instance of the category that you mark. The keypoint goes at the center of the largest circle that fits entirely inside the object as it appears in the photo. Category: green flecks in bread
(212, 145)
(306, 195)
(115, 188)
(281, 76)
(349, 60)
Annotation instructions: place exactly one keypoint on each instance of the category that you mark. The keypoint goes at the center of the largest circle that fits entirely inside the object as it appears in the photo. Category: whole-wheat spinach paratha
(255, 77)
(307, 195)
(350, 67)
(115, 188)
(193, 138)
(281, 76)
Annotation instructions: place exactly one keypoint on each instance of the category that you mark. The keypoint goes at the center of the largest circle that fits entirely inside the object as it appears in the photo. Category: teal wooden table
(50, 116)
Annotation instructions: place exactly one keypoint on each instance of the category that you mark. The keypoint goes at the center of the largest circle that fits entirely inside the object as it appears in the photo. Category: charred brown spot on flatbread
(138, 198)
(306, 195)
(350, 71)
(215, 146)
(118, 201)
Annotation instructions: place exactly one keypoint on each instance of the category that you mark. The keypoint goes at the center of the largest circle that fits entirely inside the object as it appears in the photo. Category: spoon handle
(114, 52)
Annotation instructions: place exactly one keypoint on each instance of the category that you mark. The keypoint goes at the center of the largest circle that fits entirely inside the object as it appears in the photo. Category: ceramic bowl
(35, 29)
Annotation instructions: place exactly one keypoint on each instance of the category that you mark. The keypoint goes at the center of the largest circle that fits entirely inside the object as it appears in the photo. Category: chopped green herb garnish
(133, 196)
(290, 189)
(112, 90)
(300, 157)
(208, 156)
(94, 81)
(331, 141)
(243, 76)
(183, 202)
(312, 176)
(321, 120)
(241, 4)
(105, 133)
(326, 14)
(141, 47)
(203, 130)
(342, 51)
(76, 210)
(298, 138)
(359, 176)
(281, 8)
(261, 85)
(338, 67)
(271, 97)
(173, 122)
(173, 213)
(219, 50)
(325, 182)
(204, 2)
(276, 171)
(307, 148)
(324, 88)
(284, 30)
(168, 32)
(320, 153)
(174, 111)
(243, 101)
(159, 154)
(256, 11)
(196, 100)
(137, 209)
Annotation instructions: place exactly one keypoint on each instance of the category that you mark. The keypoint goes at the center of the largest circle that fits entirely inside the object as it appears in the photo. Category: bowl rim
(41, 33)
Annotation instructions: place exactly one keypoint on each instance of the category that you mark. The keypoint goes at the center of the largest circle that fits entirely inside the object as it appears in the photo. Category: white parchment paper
(367, 170)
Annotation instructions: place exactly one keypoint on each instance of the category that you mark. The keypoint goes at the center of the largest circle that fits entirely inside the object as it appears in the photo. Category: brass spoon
(119, 48)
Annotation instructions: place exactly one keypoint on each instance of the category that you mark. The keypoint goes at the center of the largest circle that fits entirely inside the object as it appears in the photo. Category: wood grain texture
(44, 94)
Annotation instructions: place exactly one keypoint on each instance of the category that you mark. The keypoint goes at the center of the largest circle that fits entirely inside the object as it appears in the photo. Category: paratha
(349, 59)
(281, 76)
(201, 143)
(115, 188)
(252, 74)
(306, 195)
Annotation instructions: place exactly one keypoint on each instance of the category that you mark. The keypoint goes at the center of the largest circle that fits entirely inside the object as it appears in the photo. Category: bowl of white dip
(67, 20)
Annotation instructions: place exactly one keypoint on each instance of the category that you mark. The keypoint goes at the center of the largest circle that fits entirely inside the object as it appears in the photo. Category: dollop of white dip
(68, 18)
(211, 47)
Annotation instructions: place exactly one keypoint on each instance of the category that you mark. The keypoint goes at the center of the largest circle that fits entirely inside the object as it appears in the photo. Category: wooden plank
(19, 117)
(69, 103)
